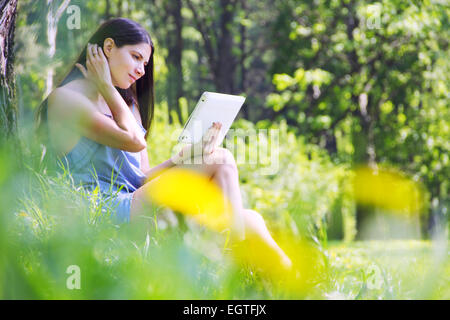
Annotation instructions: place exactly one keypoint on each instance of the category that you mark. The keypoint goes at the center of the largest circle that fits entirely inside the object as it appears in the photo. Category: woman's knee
(219, 164)
(220, 156)
(226, 157)
(224, 161)
(226, 171)
(254, 222)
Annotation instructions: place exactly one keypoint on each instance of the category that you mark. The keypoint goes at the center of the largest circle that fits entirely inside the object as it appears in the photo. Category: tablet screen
(211, 107)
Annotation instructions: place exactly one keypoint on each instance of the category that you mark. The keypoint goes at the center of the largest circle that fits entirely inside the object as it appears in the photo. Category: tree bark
(8, 108)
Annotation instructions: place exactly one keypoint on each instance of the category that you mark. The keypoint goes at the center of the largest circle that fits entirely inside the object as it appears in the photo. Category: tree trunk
(219, 44)
(53, 17)
(226, 61)
(364, 154)
(107, 13)
(175, 48)
(243, 31)
(8, 108)
(120, 9)
(330, 142)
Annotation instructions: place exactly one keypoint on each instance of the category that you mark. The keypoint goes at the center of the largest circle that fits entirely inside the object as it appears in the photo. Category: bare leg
(255, 228)
(227, 177)
(222, 170)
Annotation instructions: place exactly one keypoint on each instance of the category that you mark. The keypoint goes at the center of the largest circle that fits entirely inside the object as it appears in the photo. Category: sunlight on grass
(407, 269)
(48, 224)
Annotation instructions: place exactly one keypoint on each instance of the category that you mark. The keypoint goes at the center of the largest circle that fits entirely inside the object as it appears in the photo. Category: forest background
(357, 91)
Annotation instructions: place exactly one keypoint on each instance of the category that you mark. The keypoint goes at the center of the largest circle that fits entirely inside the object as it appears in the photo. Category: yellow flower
(388, 190)
(306, 271)
(192, 194)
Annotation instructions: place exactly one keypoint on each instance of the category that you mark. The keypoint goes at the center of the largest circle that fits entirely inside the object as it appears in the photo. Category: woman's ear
(108, 45)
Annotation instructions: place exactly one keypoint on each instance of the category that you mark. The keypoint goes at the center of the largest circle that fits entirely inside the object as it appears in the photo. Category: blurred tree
(233, 50)
(366, 81)
(255, 53)
(218, 40)
(370, 83)
(168, 26)
(55, 11)
(8, 109)
(175, 49)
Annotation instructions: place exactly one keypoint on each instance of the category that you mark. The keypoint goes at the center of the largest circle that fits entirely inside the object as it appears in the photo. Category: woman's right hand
(97, 67)
(204, 147)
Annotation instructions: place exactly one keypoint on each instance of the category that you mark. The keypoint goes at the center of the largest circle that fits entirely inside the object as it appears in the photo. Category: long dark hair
(124, 32)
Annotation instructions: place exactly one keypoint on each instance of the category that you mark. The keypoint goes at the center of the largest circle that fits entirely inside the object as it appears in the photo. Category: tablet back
(211, 107)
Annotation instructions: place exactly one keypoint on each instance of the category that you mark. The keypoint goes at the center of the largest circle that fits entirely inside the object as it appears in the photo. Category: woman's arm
(68, 109)
(99, 74)
(151, 173)
(156, 171)
(205, 148)
(120, 111)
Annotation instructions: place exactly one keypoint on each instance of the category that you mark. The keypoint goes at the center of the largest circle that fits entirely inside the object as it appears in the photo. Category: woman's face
(127, 62)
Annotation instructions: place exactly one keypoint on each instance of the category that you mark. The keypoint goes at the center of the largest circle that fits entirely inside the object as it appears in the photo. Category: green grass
(48, 224)
(145, 261)
(410, 269)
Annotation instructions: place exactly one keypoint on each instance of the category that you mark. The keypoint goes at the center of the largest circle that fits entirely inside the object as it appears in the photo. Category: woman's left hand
(205, 147)
(97, 67)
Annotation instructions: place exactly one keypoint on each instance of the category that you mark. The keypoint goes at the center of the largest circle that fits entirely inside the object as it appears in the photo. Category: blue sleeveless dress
(117, 173)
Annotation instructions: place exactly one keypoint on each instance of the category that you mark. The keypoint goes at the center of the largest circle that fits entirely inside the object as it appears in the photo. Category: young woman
(98, 119)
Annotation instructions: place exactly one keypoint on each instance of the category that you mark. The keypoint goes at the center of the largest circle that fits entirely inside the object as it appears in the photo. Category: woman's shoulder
(61, 112)
(71, 97)
(61, 94)
(69, 90)
(66, 106)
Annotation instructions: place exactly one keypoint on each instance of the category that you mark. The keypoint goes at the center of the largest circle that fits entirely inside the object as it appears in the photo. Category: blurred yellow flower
(307, 268)
(23, 214)
(388, 190)
(192, 194)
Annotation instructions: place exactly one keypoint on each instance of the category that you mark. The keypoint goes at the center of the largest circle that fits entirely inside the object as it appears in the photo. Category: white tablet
(211, 107)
